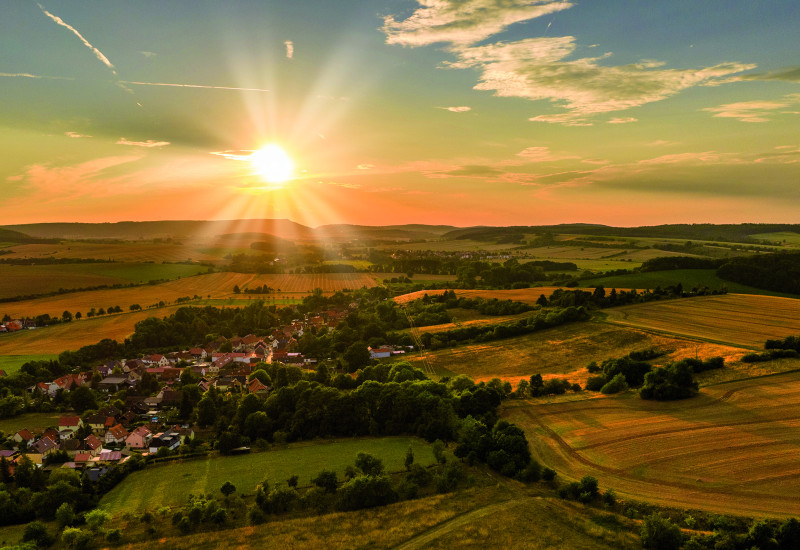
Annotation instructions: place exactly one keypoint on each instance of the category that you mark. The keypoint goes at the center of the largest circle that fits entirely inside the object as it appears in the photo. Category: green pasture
(12, 363)
(171, 483)
(144, 272)
(358, 264)
(787, 237)
(32, 421)
(689, 278)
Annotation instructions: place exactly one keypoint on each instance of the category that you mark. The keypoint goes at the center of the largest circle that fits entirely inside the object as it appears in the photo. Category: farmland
(561, 351)
(735, 319)
(689, 278)
(11, 363)
(16, 280)
(525, 295)
(35, 422)
(170, 484)
(116, 251)
(732, 449)
(212, 285)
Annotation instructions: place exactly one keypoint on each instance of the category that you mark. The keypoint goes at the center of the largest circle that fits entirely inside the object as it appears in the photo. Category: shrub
(326, 479)
(595, 383)
(36, 532)
(615, 385)
(660, 533)
(366, 492)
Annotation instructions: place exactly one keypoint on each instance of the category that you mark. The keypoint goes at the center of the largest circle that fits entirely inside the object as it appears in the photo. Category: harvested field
(17, 280)
(120, 252)
(732, 449)
(525, 295)
(562, 352)
(418, 277)
(737, 319)
(215, 285)
(71, 336)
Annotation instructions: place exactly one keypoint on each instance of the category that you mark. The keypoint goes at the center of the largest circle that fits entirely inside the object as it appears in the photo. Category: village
(148, 423)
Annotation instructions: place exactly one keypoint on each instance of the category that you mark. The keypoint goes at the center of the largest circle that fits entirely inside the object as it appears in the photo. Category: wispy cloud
(461, 109)
(202, 86)
(463, 22)
(98, 54)
(76, 135)
(289, 49)
(789, 74)
(35, 76)
(754, 111)
(543, 68)
(147, 54)
(542, 154)
(365, 167)
(149, 143)
(622, 120)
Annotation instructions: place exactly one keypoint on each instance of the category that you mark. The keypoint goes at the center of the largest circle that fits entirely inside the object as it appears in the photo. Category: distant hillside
(162, 229)
(11, 236)
(411, 232)
(705, 232)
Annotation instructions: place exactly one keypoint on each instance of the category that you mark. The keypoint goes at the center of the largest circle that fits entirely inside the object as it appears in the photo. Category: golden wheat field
(213, 285)
(737, 319)
(732, 449)
(525, 295)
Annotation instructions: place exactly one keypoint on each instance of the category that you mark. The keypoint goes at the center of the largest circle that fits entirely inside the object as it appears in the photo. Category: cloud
(790, 74)
(622, 120)
(542, 154)
(753, 111)
(342, 184)
(472, 171)
(365, 167)
(463, 22)
(35, 76)
(202, 86)
(149, 143)
(75, 135)
(148, 55)
(289, 49)
(461, 109)
(98, 54)
(542, 68)
(683, 158)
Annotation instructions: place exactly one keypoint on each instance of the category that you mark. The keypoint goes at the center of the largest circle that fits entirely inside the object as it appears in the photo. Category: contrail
(289, 49)
(86, 43)
(36, 76)
(174, 85)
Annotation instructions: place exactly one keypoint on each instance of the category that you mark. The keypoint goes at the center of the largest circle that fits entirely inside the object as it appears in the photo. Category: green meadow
(171, 483)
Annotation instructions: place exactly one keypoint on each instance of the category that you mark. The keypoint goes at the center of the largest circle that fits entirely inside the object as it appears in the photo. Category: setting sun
(272, 163)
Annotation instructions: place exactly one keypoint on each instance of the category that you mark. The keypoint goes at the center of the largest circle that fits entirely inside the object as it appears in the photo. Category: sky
(460, 112)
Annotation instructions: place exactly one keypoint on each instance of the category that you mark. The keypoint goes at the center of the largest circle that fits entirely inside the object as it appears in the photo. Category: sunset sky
(495, 112)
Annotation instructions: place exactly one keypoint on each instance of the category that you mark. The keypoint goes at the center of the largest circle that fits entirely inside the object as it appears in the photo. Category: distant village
(99, 441)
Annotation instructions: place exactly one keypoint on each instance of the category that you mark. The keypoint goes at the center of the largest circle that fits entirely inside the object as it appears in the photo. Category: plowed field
(733, 449)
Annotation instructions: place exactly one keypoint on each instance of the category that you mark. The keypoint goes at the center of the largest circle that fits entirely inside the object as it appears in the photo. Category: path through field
(735, 448)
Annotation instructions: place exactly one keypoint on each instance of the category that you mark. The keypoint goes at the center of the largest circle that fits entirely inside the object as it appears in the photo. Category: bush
(36, 532)
(660, 533)
(366, 492)
(326, 479)
(615, 385)
(548, 474)
(114, 536)
(595, 383)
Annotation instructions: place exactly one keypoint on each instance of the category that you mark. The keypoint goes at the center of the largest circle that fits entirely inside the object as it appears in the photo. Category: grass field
(212, 285)
(732, 449)
(500, 514)
(36, 422)
(525, 295)
(561, 352)
(736, 319)
(171, 483)
(11, 363)
(456, 245)
(16, 280)
(119, 252)
(786, 237)
(689, 278)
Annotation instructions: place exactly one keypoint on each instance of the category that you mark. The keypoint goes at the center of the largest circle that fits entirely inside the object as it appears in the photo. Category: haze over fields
(458, 112)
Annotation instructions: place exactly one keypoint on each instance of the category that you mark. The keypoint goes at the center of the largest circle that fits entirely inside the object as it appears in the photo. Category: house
(44, 446)
(156, 359)
(97, 422)
(72, 446)
(379, 353)
(110, 456)
(116, 435)
(139, 438)
(24, 437)
(198, 353)
(47, 388)
(92, 444)
(170, 440)
(82, 458)
(257, 387)
(170, 397)
(112, 383)
(71, 423)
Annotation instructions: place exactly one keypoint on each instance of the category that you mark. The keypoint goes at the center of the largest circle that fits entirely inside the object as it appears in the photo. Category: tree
(82, 398)
(78, 315)
(369, 464)
(438, 451)
(356, 356)
(65, 515)
(660, 533)
(96, 519)
(236, 289)
(36, 532)
(409, 458)
(206, 412)
(66, 316)
(228, 489)
(326, 479)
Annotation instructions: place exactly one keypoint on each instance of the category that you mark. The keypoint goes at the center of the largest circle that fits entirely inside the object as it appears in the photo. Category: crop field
(16, 280)
(786, 237)
(71, 336)
(171, 483)
(455, 245)
(689, 278)
(120, 252)
(732, 449)
(736, 319)
(208, 286)
(418, 277)
(525, 295)
(569, 253)
(562, 352)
